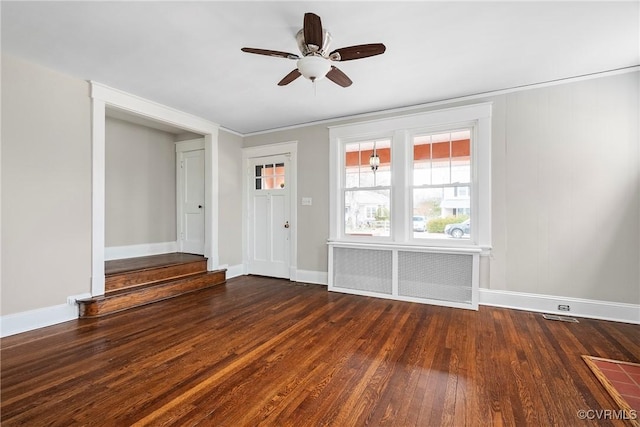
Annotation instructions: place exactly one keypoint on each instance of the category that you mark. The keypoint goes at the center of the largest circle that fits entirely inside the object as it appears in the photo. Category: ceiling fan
(315, 62)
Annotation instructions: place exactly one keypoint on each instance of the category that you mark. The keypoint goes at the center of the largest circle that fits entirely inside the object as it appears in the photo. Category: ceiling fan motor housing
(310, 49)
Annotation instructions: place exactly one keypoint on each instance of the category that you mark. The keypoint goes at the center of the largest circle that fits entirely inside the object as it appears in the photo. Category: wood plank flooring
(268, 352)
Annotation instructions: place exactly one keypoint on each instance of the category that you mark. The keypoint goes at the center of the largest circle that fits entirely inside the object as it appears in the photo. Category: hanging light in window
(374, 159)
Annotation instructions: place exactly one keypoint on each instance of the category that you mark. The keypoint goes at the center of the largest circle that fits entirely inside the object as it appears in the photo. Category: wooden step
(141, 271)
(123, 299)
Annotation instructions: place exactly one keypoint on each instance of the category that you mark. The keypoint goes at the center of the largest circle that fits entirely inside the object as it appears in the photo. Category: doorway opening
(140, 110)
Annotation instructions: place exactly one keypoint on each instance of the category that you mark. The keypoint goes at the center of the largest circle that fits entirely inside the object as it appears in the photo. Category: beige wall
(230, 198)
(140, 184)
(565, 208)
(565, 190)
(46, 187)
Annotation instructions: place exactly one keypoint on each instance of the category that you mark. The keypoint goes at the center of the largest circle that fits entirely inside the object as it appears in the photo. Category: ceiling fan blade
(312, 29)
(267, 52)
(338, 77)
(357, 52)
(289, 77)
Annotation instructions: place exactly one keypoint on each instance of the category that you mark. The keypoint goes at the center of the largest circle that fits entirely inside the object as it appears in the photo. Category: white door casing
(190, 196)
(269, 221)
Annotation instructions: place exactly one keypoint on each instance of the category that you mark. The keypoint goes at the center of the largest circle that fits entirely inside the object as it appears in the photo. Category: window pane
(367, 178)
(358, 164)
(352, 177)
(367, 213)
(461, 171)
(440, 208)
(383, 173)
(440, 172)
(441, 213)
(442, 158)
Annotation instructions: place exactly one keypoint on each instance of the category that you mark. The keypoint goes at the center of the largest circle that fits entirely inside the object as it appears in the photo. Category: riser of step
(153, 275)
(123, 300)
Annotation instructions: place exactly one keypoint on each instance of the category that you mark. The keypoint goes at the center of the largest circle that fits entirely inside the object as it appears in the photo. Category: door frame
(103, 97)
(181, 148)
(289, 149)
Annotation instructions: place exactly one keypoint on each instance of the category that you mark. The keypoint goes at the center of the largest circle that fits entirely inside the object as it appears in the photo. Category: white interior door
(191, 209)
(269, 222)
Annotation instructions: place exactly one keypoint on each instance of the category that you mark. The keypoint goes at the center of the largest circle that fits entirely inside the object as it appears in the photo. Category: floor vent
(560, 318)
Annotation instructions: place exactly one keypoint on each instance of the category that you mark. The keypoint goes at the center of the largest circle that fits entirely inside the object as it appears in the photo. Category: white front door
(191, 204)
(269, 222)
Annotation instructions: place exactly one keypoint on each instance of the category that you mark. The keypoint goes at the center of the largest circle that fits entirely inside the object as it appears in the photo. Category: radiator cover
(417, 274)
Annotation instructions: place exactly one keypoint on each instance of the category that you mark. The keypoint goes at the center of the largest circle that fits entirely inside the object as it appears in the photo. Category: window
(432, 186)
(367, 189)
(441, 188)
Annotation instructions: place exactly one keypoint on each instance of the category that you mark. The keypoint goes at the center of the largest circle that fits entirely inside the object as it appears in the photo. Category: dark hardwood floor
(262, 351)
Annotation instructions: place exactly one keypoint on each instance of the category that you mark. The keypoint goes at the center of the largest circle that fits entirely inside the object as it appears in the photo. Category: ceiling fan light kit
(313, 67)
(315, 63)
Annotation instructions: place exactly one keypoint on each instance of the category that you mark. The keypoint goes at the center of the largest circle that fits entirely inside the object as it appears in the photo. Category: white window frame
(471, 241)
(343, 188)
(401, 129)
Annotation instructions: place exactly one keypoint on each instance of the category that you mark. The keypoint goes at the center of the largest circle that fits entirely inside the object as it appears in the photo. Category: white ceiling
(187, 55)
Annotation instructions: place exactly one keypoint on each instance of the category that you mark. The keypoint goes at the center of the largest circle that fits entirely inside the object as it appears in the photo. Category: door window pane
(269, 176)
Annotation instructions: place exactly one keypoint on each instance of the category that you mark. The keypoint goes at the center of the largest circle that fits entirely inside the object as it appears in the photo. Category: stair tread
(145, 263)
(124, 299)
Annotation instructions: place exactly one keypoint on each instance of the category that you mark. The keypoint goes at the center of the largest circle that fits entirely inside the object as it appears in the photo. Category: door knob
(286, 224)
(199, 206)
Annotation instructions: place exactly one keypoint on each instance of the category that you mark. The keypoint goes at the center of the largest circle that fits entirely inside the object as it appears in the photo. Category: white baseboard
(603, 310)
(233, 271)
(12, 324)
(315, 277)
(145, 249)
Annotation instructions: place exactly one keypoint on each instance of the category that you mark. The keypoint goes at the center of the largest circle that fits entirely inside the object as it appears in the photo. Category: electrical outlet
(564, 307)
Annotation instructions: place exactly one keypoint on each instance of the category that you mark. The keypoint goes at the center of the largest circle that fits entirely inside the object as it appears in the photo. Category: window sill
(459, 249)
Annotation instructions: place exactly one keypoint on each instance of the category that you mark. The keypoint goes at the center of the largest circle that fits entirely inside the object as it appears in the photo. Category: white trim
(98, 179)
(12, 324)
(104, 97)
(73, 299)
(190, 145)
(284, 148)
(475, 116)
(417, 107)
(315, 277)
(471, 249)
(593, 309)
(231, 131)
(145, 249)
(234, 270)
(150, 110)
